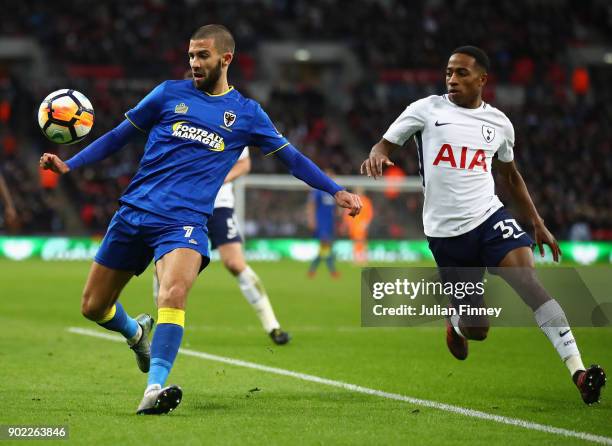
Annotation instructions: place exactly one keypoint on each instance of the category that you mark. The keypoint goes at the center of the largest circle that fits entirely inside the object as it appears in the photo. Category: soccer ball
(65, 116)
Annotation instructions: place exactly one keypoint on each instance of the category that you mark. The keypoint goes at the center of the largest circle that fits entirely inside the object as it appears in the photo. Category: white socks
(551, 319)
(255, 294)
(454, 320)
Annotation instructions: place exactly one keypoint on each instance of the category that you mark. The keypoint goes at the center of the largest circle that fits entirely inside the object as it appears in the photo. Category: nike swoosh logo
(438, 124)
(563, 333)
(518, 235)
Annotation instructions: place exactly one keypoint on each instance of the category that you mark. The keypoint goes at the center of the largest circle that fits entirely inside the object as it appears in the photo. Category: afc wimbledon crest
(488, 133)
(229, 118)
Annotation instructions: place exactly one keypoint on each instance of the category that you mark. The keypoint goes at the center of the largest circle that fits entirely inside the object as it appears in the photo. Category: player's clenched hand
(49, 161)
(348, 200)
(544, 237)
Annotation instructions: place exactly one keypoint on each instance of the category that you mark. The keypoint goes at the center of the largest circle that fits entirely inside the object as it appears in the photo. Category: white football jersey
(455, 148)
(225, 196)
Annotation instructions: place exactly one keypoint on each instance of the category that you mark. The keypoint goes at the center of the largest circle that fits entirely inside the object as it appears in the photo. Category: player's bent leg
(312, 269)
(460, 329)
(326, 252)
(232, 257)
(253, 290)
(102, 290)
(455, 341)
(100, 304)
(518, 269)
(177, 271)
(155, 286)
(462, 325)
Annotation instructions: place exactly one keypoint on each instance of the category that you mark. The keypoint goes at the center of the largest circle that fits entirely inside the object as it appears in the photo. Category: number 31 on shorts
(509, 229)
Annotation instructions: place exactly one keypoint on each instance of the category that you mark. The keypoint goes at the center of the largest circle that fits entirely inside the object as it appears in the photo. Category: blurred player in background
(10, 213)
(224, 236)
(357, 228)
(457, 136)
(196, 130)
(321, 215)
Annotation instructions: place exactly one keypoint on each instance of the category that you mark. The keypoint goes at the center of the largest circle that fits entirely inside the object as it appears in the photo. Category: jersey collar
(220, 94)
(481, 107)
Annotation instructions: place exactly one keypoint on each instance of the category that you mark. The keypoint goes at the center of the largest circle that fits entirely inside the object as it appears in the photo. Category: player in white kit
(458, 135)
(224, 236)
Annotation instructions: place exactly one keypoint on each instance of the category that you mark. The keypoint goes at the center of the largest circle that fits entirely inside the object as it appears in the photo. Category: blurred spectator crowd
(116, 52)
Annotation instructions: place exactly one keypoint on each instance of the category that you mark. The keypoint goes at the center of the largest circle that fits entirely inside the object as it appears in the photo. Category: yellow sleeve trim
(109, 315)
(274, 151)
(174, 316)
(132, 122)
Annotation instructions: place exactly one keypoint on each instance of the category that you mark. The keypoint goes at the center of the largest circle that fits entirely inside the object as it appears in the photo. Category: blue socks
(117, 320)
(315, 264)
(165, 345)
(166, 340)
(331, 258)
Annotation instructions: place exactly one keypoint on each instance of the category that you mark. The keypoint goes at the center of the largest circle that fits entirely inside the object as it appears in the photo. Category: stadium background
(332, 82)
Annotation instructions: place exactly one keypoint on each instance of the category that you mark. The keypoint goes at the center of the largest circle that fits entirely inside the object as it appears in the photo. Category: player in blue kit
(225, 236)
(321, 212)
(196, 132)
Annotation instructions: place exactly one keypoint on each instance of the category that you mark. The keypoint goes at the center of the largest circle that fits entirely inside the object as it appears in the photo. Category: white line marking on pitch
(355, 388)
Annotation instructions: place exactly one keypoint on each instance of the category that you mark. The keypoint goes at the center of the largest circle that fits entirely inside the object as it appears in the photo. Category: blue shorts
(484, 246)
(324, 232)
(135, 237)
(324, 236)
(222, 228)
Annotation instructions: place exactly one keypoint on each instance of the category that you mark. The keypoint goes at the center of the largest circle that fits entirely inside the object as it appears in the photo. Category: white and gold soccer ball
(66, 116)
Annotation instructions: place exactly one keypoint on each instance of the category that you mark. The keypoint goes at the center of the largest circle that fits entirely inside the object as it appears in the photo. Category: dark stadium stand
(560, 107)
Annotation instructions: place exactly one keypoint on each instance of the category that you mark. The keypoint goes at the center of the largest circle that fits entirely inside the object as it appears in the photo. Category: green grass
(50, 376)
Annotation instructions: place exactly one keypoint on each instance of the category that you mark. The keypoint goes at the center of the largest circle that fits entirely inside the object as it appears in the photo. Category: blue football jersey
(194, 140)
(325, 209)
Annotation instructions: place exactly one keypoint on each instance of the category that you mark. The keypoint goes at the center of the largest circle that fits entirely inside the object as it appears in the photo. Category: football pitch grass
(53, 376)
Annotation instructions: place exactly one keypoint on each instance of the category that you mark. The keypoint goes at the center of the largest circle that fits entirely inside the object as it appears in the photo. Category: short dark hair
(479, 55)
(224, 41)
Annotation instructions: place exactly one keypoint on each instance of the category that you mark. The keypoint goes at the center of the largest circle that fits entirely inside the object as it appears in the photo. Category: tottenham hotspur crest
(229, 118)
(488, 133)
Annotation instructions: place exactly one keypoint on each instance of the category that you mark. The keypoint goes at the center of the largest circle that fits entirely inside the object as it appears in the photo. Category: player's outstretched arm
(304, 169)
(378, 159)
(513, 180)
(101, 148)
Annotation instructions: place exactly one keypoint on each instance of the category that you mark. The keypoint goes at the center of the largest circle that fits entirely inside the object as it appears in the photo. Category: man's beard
(209, 82)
